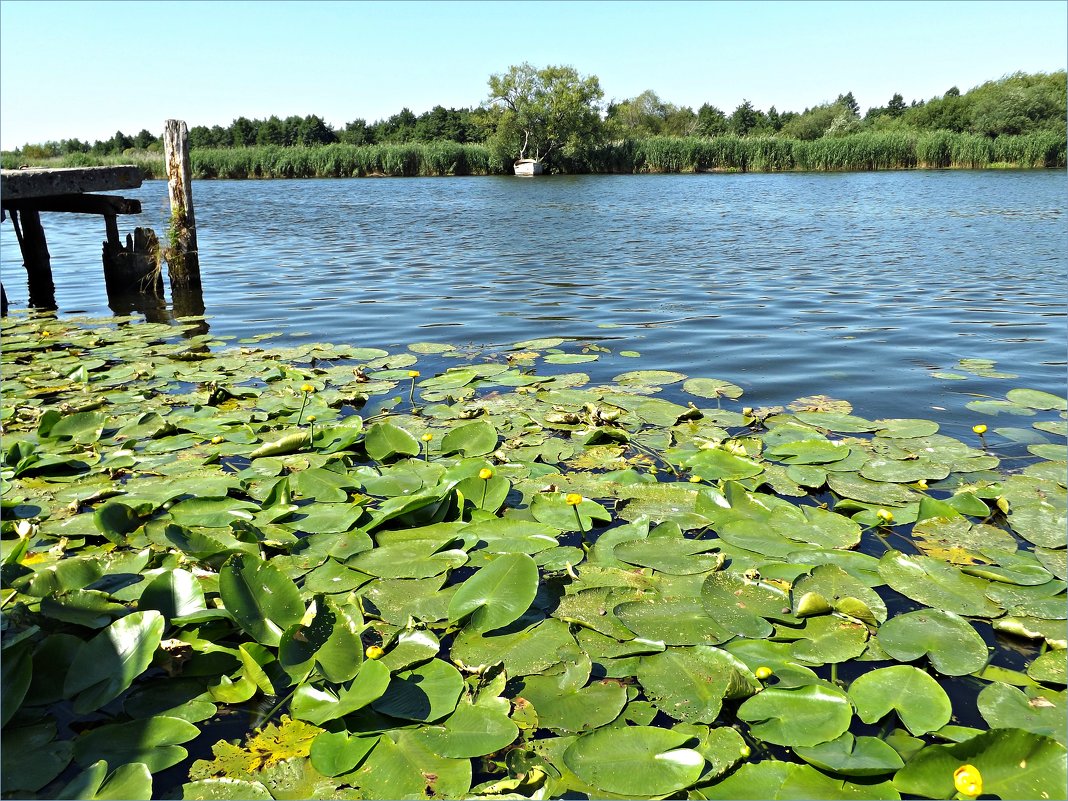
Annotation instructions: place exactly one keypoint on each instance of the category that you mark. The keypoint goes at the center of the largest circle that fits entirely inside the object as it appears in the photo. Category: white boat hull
(528, 167)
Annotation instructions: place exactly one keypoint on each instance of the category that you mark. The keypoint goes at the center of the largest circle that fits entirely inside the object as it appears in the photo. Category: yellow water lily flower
(763, 672)
(968, 781)
(979, 429)
(307, 388)
(885, 515)
(485, 474)
(413, 374)
(573, 499)
(427, 437)
(374, 652)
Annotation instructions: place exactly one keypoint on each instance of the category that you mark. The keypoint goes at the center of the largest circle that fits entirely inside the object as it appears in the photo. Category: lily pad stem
(303, 403)
(578, 519)
(278, 705)
(656, 455)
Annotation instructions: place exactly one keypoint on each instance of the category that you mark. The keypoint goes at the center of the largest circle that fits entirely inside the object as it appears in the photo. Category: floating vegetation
(441, 573)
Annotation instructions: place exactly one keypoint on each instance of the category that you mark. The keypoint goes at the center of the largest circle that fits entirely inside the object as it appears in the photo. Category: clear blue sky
(87, 69)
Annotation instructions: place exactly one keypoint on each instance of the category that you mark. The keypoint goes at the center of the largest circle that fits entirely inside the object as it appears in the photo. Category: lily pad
(635, 761)
(802, 716)
(948, 640)
(919, 701)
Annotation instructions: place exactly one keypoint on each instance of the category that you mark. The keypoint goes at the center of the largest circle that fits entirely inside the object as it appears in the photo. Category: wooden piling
(183, 262)
(35, 256)
(133, 267)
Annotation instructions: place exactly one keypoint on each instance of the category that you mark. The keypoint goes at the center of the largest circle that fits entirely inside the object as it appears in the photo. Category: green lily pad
(154, 742)
(948, 640)
(566, 705)
(827, 639)
(711, 388)
(425, 693)
(402, 766)
(802, 716)
(1036, 399)
(635, 761)
(335, 753)
(529, 650)
(1050, 667)
(646, 378)
(1037, 710)
(770, 779)
(470, 731)
(919, 701)
(1012, 763)
(853, 756)
(674, 622)
(937, 585)
(690, 684)
(498, 594)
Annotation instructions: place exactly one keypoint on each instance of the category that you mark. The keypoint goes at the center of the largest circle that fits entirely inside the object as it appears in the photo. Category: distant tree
(774, 119)
(812, 123)
(312, 131)
(143, 139)
(896, 107)
(398, 128)
(242, 132)
(953, 91)
(849, 103)
(199, 137)
(551, 114)
(356, 132)
(710, 121)
(119, 142)
(744, 119)
(270, 132)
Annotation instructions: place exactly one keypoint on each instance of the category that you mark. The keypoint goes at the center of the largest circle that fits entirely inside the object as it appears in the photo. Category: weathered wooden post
(35, 256)
(183, 262)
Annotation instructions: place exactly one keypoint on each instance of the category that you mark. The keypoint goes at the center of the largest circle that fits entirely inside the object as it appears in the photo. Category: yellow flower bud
(764, 672)
(921, 484)
(374, 652)
(696, 479)
(885, 515)
(573, 499)
(312, 418)
(307, 388)
(216, 440)
(485, 474)
(968, 781)
(979, 429)
(413, 374)
(427, 437)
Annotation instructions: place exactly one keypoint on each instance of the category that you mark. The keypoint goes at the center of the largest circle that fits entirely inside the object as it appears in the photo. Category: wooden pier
(132, 266)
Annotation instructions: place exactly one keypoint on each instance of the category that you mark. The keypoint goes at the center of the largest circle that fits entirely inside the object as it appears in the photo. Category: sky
(86, 69)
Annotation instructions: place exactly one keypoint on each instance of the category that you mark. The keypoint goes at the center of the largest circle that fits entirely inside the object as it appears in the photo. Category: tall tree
(551, 114)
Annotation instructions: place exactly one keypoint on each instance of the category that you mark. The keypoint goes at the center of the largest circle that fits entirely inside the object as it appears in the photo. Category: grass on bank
(857, 152)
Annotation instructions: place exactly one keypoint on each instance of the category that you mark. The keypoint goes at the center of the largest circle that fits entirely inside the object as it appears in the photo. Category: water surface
(855, 285)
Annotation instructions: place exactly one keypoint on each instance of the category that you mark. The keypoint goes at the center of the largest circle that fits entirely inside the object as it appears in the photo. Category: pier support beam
(183, 261)
(36, 257)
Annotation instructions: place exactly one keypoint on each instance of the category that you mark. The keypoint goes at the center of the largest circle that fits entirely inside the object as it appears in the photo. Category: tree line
(1016, 104)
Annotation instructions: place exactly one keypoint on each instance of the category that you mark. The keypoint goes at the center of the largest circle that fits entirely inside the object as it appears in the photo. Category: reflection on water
(854, 285)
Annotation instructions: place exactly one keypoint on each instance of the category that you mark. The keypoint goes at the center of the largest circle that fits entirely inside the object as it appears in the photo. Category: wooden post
(36, 257)
(133, 268)
(183, 262)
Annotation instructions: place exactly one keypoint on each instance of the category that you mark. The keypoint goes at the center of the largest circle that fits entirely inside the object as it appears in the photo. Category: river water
(857, 285)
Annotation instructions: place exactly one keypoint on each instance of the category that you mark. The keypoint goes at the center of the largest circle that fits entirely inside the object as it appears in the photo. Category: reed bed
(344, 161)
(865, 151)
(151, 164)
